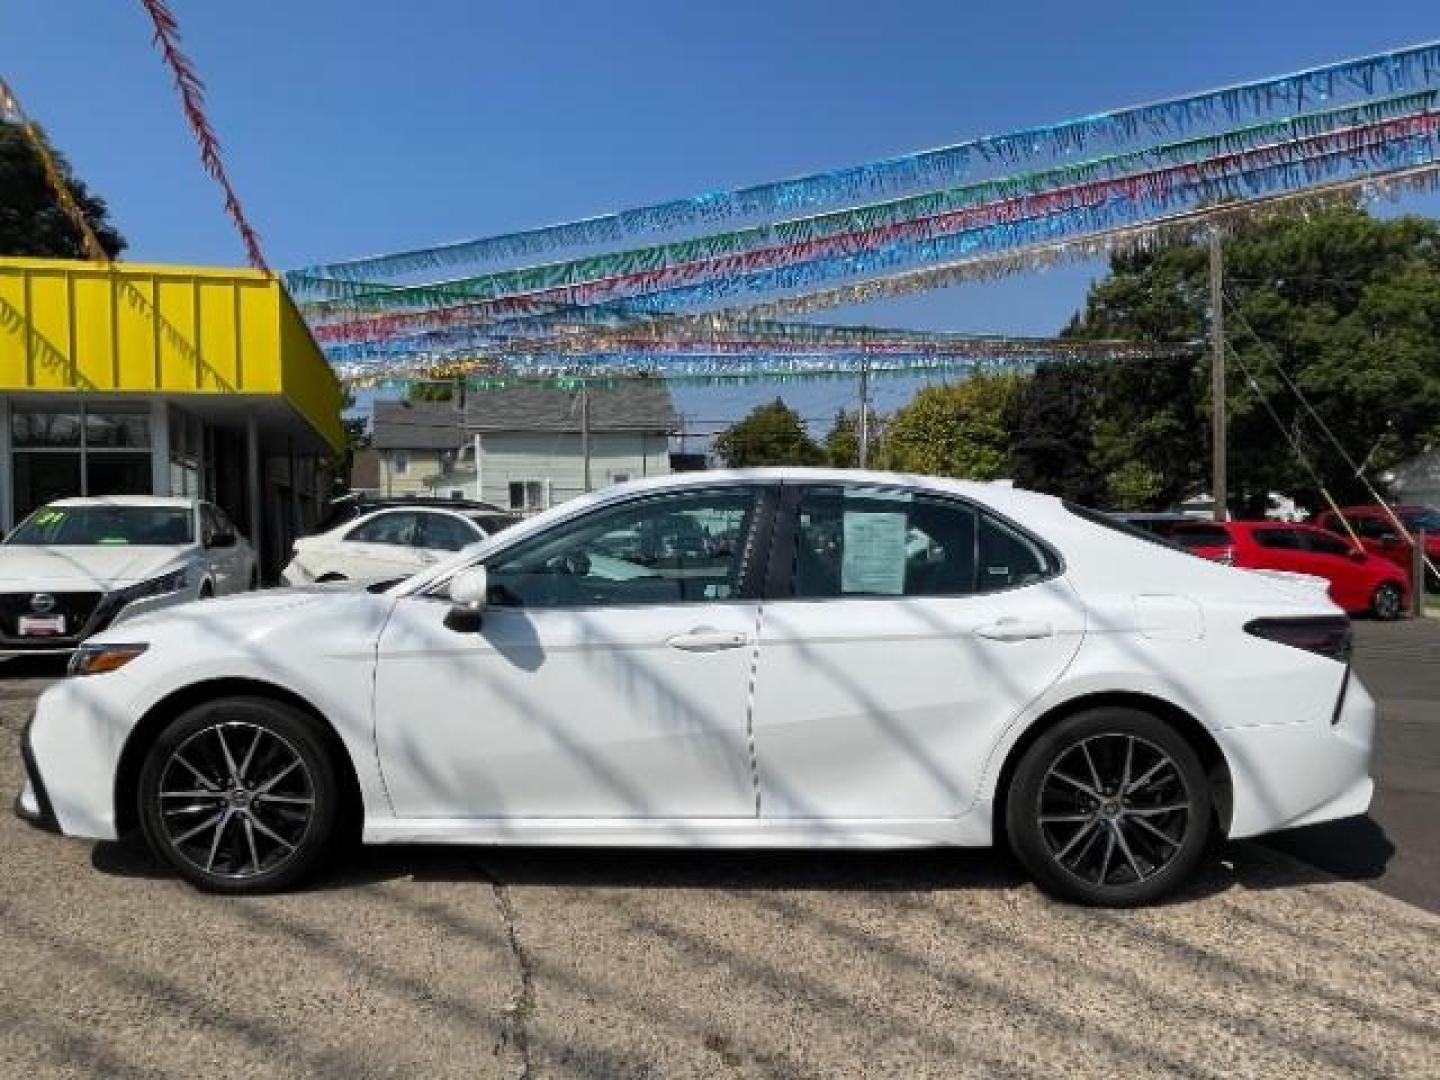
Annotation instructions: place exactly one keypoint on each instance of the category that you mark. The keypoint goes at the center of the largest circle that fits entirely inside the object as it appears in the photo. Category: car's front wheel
(1109, 807)
(239, 795)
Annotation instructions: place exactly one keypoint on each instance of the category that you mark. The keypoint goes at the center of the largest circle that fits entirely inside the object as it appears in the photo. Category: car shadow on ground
(1353, 850)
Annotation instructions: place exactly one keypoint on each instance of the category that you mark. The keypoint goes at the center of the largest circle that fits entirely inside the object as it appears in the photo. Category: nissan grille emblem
(42, 603)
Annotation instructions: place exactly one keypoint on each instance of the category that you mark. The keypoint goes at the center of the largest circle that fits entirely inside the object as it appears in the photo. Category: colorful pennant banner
(1396, 71)
(352, 296)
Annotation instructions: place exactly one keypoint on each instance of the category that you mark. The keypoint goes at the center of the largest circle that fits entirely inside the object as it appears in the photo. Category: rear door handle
(1015, 630)
(704, 639)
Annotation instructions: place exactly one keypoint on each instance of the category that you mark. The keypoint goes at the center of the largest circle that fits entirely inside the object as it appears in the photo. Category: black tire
(254, 580)
(266, 836)
(207, 591)
(325, 578)
(1108, 852)
(1388, 602)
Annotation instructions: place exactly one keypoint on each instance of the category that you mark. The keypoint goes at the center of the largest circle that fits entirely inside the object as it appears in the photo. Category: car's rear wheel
(1109, 807)
(239, 795)
(1388, 602)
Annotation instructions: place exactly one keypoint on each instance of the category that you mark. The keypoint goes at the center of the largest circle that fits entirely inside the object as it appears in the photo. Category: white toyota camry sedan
(768, 659)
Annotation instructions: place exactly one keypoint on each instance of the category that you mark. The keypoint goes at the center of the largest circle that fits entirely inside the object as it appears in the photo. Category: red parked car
(1377, 532)
(1359, 581)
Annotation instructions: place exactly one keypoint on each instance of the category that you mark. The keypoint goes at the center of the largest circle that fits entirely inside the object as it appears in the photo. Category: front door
(608, 678)
(912, 631)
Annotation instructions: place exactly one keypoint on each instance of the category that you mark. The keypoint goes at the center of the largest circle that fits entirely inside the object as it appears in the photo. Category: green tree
(842, 443)
(771, 435)
(956, 429)
(1052, 445)
(32, 221)
(1347, 305)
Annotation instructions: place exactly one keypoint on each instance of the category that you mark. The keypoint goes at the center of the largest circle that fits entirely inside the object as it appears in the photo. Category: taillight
(1328, 635)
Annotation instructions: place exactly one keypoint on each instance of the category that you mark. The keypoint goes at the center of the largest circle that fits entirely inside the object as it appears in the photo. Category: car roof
(156, 501)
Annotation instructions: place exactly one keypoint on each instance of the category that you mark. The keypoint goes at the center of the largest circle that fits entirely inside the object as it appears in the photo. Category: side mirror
(469, 589)
(1356, 555)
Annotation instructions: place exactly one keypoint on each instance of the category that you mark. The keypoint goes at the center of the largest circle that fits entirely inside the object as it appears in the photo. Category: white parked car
(76, 566)
(390, 544)
(768, 659)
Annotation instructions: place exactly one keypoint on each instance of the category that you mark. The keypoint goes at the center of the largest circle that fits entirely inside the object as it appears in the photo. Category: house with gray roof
(524, 447)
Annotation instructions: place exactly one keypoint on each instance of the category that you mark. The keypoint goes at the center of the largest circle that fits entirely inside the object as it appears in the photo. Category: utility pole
(585, 430)
(864, 411)
(1217, 374)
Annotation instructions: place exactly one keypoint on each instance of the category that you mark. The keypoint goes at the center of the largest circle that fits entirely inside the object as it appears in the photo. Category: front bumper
(1286, 775)
(33, 802)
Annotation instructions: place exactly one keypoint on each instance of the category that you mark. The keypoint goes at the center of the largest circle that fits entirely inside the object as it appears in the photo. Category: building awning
(218, 336)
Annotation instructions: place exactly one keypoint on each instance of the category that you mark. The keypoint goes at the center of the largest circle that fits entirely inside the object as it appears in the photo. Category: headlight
(111, 603)
(165, 583)
(98, 659)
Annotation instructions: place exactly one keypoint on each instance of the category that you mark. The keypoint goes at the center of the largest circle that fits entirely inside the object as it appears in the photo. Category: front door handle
(705, 639)
(1015, 630)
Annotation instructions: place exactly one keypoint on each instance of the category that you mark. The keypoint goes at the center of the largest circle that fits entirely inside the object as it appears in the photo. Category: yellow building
(164, 380)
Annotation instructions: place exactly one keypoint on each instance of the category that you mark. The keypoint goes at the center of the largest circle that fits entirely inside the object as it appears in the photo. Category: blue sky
(353, 128)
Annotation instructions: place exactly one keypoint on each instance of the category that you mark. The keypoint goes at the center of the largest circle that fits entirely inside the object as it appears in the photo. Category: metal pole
(585, 430)
(1417, 573)
(479, 476)
(1217, 375)
(864, 411)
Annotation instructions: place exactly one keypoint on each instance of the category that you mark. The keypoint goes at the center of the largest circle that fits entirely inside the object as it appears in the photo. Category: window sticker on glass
(874, 553)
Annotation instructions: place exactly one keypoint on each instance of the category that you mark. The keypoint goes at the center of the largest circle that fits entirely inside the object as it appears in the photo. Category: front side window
(398, 529)
(107, 525)
(1323, 543)
(673, 549)
(860, 542)
(1374, 528)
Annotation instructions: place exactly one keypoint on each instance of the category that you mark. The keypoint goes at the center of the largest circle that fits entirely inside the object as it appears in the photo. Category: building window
(79, 451)
(400, 462)
(527, 494)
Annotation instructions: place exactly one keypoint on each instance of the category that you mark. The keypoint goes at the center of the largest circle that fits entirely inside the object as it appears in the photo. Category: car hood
(92, 566)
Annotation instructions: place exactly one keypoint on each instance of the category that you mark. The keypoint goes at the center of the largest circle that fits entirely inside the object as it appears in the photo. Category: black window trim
(779, 579)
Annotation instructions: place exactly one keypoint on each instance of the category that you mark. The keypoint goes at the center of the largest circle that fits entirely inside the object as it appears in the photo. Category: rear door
(379, 547)
(900, 634)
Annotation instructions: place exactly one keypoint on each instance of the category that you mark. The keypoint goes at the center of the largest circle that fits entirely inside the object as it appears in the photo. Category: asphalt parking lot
(432, 962)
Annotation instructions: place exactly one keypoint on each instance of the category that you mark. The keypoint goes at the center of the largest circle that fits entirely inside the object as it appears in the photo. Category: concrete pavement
(432, 962)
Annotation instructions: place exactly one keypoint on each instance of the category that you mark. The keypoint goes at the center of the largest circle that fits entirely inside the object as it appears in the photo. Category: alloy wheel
(1386, 602)
(1114, 810)
(236, 800)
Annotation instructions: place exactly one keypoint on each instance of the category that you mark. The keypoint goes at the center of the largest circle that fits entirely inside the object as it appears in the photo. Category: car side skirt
(969, 830)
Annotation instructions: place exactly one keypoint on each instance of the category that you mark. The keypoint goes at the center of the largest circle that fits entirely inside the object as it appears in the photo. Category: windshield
(159, 526)
(1427, 519)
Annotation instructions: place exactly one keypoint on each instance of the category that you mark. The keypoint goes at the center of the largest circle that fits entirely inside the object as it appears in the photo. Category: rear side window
(1287, 539)
(1193, 536)
(441, 532)
(854, 542)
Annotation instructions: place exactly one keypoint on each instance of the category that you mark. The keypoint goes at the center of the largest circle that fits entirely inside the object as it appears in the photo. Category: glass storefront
(79, 450)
